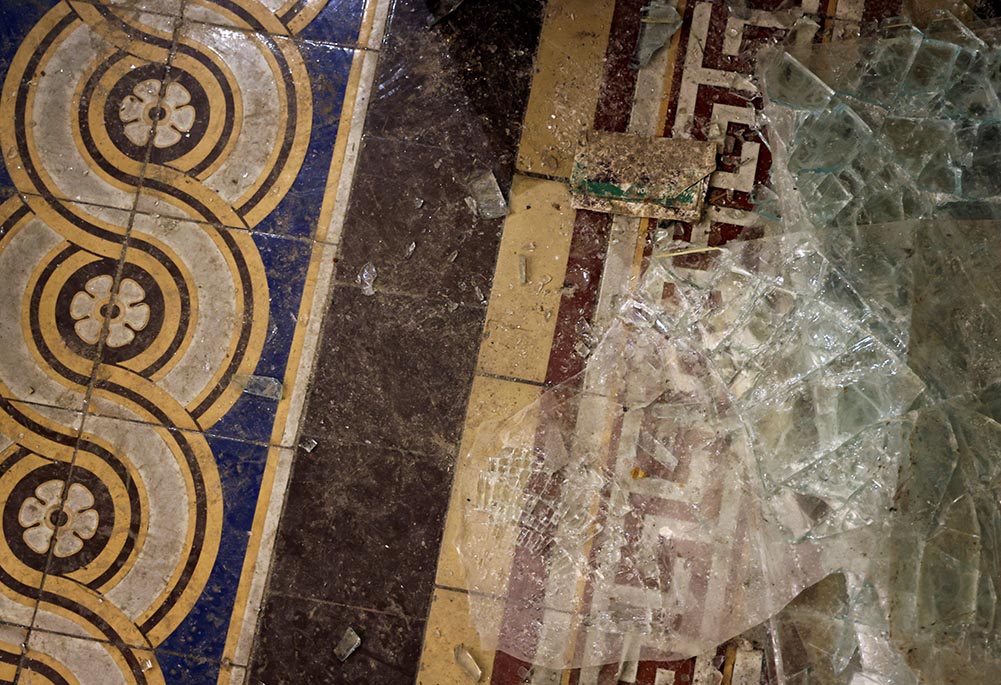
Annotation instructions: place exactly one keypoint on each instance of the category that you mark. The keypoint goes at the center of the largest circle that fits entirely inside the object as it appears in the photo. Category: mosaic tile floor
(172, 172)
(189, 189)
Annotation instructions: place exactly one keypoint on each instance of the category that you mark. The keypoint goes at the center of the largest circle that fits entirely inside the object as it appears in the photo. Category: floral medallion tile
(166, 165)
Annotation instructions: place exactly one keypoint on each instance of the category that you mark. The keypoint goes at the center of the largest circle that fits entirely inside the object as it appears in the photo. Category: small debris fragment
(452, 255)
(471, 203)
(366, 279)
(522, 269)
(705, 672)
(147, 665)
(348, 644)
(410, 249)
(309, 444)
(664, 676)
(468, 663)
(747, 666)
(263, 386)
(487, 196)
(418, 202)
(479, 294)
(637, 473)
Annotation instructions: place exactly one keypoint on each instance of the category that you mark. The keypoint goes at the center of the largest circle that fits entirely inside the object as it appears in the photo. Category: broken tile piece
(632, 175)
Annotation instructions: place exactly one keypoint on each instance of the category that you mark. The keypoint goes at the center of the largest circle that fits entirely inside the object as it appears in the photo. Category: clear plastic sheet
(801, 430)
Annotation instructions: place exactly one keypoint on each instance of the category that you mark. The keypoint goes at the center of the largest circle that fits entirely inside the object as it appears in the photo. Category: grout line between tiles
(512, 379)
(95, 413)
(430, 299)
(292, 36)
(142, 647)
(490, 595)
(543, 177)
(222, 436)
(427, 146)
(139, 212)
(105, 326)
(183, 18)
(344, 605)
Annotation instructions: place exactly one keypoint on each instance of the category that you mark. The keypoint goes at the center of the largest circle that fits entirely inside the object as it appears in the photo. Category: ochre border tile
(521, 317)
(567, 82)
(490, 400)
(449, 625)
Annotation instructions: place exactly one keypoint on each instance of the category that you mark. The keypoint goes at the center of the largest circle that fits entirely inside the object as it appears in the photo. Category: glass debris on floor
(366, 279)
(262, 386)
(349, 642)
(487, 199)
(660, 20)
(800, 432)
(467, 663)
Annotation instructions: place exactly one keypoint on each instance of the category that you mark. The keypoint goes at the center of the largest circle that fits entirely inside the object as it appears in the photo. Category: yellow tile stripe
(564, 94)
(521, 317)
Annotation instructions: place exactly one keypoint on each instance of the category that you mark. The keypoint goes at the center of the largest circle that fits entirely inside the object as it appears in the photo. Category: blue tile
(286, 262)
(298, 213)
(338, 22)
(203, 632)
(178, 668)
(17, 18)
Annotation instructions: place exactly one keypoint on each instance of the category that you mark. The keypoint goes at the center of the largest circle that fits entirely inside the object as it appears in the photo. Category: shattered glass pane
(799, 431)
(763, 416)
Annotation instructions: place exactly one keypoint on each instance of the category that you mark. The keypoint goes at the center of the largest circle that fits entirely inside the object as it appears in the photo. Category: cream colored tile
(567, 81)
(490, 400)
(449, 625)
(521, 317)
(85, 661)
(11, 639)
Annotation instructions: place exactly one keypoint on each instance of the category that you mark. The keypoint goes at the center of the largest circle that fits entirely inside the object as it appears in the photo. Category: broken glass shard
(487, 199)
(798, 432)
(349, 642)
(263, 386)
(366, 279)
